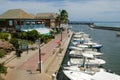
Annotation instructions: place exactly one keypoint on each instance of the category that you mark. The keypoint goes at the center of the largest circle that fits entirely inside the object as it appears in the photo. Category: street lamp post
(39, 62)
(61, 34)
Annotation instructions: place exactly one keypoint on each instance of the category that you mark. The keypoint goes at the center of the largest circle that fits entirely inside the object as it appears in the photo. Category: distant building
(17, 19)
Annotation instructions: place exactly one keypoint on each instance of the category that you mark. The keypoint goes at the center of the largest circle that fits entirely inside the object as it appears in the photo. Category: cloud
(94, 10)
(78, 9)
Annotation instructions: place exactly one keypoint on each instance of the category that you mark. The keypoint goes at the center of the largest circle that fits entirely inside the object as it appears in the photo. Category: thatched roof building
(17, 19)
(16, 14)
(46, 15)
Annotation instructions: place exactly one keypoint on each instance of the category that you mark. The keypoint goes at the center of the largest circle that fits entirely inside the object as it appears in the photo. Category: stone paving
(24, 68)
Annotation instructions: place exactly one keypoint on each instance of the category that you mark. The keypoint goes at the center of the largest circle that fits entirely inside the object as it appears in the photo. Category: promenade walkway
(24, 68)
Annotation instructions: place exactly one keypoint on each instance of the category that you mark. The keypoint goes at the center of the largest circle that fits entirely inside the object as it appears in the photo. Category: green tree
(52, 33)
(63, 16)
(33, 35)
(42, 38)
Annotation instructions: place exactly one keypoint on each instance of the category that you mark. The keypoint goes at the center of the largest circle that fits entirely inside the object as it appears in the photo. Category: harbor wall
(106, 28)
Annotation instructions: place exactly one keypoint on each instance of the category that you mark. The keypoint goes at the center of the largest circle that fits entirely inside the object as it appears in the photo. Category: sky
(78, 10)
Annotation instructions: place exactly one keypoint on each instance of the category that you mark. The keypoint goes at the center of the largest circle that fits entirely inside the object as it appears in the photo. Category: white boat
(75, 53)
(105, 76)
(79, 33)
(93, 45)
(82, 45)
(101, 75)
(95, 53)
(78, 53)
(77, 41)
(77, 36)
(88, 59)
(75, 61)
(85, 35)
(92, 69)
(76, 75)
(76, 48)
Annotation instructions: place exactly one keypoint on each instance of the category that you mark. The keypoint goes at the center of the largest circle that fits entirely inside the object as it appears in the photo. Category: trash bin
(54, 77)
(18, 53)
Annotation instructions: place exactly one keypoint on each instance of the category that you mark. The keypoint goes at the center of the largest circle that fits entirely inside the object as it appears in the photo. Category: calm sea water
(111, 48)
(108, 24)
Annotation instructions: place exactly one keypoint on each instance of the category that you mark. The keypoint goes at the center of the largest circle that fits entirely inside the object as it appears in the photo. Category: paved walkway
(24, 68)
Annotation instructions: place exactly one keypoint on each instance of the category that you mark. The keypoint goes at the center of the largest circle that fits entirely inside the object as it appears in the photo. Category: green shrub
(4, 36)
(2, 53)
(3, 69)
(15, 35)
(23, 35)
(14, 41)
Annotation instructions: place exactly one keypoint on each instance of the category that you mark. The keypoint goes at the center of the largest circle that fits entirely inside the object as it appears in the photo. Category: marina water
(108, 24)
(111, 48)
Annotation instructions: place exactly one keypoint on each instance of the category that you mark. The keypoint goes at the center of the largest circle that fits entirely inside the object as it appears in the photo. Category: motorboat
(77, 41)
(82, 45)
(78, 53)
(88, 59)
(76, 48)
(105, 76)
(75, 53)
(77, 36)
(76, 75)
(93, 45)
(101, 75)
(79, 33)
(77, 61)
(95, 53)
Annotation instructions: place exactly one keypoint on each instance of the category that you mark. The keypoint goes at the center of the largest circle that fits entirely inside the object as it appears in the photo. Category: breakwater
(80, 22)
(106, 28)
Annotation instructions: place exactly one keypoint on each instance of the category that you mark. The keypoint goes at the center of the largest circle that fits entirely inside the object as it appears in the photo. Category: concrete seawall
(106, 28)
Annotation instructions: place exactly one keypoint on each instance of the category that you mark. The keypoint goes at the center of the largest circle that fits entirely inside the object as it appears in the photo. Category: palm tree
(63, 16)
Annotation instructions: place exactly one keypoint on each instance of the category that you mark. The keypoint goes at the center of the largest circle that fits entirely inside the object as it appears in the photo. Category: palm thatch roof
(16, 14)
(46, 15)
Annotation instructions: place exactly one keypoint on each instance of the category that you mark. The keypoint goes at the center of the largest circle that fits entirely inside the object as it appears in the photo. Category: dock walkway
(25, 67)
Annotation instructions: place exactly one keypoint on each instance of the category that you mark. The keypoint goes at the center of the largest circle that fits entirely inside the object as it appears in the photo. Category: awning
(40, 30)
(47, 34)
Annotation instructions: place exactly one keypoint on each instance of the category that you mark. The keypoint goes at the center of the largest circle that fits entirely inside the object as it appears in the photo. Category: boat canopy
(88, 55)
